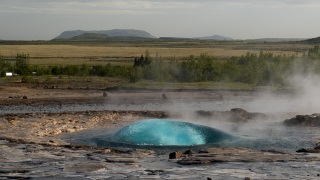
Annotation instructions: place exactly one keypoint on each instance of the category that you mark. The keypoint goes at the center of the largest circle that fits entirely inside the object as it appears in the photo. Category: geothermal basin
(121, 138)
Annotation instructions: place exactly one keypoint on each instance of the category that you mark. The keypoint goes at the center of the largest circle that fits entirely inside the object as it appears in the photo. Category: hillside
(90, 37)
(275, 40)
(214, 37)
(109, 33)
(313, 40)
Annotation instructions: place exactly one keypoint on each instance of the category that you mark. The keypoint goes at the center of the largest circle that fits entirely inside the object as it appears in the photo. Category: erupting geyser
(168, 132)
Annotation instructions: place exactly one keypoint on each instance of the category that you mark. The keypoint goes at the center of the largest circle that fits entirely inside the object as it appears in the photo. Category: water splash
(168, 132)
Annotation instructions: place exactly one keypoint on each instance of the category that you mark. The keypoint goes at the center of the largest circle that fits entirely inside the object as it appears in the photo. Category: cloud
(95, 6)
(137, 6)
(234, 18)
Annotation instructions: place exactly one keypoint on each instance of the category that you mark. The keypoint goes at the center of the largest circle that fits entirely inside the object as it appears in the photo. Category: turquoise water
(169, 135)
(169, 132)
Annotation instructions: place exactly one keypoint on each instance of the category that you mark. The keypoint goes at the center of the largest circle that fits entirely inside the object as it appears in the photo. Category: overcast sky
(238, 19)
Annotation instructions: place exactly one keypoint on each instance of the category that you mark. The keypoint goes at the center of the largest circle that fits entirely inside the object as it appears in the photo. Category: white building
(9, 74)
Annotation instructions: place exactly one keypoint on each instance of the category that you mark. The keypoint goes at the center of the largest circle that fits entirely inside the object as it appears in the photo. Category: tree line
(263, 68)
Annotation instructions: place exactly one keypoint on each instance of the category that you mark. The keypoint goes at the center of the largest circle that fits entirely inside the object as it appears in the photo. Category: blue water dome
(169, 132)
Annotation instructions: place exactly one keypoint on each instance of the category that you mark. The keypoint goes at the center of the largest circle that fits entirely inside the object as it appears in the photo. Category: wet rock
(203, 151)
(274, 151)
(84, 167)
(203, 113)
(189, 152)
(197, 160)
(218, 155)
(122, 160)
(11, 171)
(164, 96)
(175, 155)
(154, 172)
(105, 94)
(304, 120)
(310, 150)
(141, 153)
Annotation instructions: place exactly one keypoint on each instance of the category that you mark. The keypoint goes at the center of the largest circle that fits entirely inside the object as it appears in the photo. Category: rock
(198, 160)
(189, 152)
(14, 171)
(106, 151)
(55, 132)
(84, 167)
(154, 172)
(247, 178)
(203, 113)
(69, 130)
(105, 94)
(241, 115)
(122, 160)
(274, 151)
(310, 150)
(203, 151)
(24, 97)
(164, 96)
(175, 155)
(303, 120)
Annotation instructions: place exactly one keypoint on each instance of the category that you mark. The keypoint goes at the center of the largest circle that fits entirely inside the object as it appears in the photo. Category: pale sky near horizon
(238, 19)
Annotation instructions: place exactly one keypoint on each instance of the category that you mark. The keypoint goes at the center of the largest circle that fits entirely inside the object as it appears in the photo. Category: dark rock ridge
(110, 33)
(310, 150)
(222, 155)
(304, 120)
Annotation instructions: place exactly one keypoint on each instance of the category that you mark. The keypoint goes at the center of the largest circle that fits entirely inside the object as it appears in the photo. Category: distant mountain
(110, 33)
(214, 37)
(276, 39)
(90, 37)
(313, 40)
(174, 38)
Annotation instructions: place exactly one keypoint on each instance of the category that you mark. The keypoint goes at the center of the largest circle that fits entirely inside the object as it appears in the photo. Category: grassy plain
(123, 53)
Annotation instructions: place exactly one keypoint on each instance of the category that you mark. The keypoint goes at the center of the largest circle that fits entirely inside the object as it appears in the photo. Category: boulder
(175, 155)
(239, 115)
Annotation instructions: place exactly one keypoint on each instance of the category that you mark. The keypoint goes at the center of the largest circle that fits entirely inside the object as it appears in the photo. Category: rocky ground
(31, 145)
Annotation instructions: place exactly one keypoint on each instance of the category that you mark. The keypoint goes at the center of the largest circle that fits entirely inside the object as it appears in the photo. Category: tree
(143, 60)
(22, 64)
